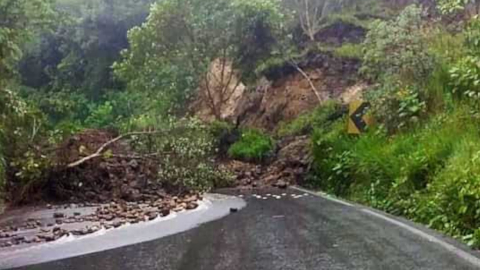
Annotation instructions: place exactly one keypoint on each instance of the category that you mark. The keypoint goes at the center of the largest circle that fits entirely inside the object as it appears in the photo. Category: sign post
(358, 118)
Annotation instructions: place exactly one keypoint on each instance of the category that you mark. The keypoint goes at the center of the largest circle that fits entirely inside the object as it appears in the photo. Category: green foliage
(186, 162)
(20, 20)
(22, 130)
(397, 107)
(429, 174)
(450, 203)
(452, 6)
(465, 74)
(345, 18)
(173, 50)
(101, 116)
(78, 54)
(397, 49)
(466, 78)
(252, 146)
(349, 50)
(331, 155)
(305, 123)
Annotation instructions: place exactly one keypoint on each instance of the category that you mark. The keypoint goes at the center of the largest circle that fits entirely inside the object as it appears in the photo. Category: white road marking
(324, 196)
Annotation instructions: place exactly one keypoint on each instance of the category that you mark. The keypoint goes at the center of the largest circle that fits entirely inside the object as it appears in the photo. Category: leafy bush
(101, 116)
(187, 156)
(252, 146)
(305, 123)
(466, 78)
(397, 48)
(397, 107)
(452, 6)
(465, 74)
(22, 130)
(224, 135)
(331, 159)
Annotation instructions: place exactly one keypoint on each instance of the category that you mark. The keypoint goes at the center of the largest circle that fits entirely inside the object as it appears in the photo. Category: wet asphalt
(290, 232)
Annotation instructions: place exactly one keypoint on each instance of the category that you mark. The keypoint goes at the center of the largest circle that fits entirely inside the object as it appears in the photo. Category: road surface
(287, 232)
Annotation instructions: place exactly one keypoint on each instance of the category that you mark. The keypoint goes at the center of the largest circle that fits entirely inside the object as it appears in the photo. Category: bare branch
(100, 150)
(305, 75)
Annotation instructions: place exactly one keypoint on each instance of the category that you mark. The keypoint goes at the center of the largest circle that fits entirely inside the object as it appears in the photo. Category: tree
(19, 124)
(313, 13)
(19, 20)
(397, 48)
(174, 50)
(310, 14)
(79, 54)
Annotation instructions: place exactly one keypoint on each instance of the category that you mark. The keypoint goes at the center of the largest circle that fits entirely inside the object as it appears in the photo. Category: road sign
(358, 118)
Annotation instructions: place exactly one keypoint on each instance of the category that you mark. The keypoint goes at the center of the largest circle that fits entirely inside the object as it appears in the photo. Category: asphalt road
(298, 233)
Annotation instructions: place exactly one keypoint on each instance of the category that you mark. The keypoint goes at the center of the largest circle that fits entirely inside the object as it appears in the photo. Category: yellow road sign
(358, 118)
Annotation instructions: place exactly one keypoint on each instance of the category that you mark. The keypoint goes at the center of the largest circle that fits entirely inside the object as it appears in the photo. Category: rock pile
(289, 166)
(105, 216)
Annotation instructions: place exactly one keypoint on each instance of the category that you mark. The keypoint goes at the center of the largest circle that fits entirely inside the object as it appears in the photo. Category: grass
(349, 50)
(430, 174)
(253, 146)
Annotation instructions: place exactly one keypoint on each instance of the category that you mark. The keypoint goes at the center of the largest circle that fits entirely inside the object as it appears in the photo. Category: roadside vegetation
(253, 145)
(420, 160)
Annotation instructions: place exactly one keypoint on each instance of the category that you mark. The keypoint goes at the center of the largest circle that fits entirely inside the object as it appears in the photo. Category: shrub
(397, 48)
(224, 135)
(252, 146)
(187, 161)
(331, 152)
(101, 116)
(397, 107)
(465, 74)
(466, 78)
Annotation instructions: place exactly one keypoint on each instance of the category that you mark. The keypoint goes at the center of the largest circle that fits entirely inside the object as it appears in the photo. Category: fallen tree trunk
(102, 148)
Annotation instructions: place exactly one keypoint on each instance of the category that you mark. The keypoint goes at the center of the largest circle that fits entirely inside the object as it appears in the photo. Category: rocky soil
(51, 223)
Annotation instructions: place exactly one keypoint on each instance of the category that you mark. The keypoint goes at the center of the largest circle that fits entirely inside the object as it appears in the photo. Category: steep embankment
(284, 93)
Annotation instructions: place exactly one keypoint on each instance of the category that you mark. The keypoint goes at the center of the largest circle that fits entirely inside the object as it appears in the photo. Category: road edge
(459, 249)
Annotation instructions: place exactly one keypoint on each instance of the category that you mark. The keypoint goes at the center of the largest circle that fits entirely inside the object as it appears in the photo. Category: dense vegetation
(135, 65)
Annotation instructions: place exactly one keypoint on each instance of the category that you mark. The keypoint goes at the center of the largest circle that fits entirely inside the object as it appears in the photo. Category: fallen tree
(103, 148)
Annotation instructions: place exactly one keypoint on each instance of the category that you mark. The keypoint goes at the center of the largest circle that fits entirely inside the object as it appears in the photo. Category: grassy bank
(430, 174)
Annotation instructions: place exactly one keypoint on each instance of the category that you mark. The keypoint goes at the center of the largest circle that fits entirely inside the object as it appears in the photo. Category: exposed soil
(287, 93)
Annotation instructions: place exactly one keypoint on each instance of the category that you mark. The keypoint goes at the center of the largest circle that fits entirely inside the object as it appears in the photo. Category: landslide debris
(87, 218)
(289, 166)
